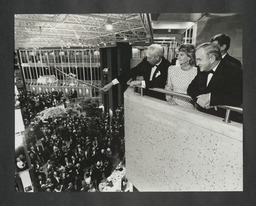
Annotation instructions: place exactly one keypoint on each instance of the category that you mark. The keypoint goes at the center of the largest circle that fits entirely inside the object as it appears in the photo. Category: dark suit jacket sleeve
(194, 88)
(132, 73)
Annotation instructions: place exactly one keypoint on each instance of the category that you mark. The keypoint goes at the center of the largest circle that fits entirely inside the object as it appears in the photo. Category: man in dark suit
(223, 41)
(150, 73)
(218, 83)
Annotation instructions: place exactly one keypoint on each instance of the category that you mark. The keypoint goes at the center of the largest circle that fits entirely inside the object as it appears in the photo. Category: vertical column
(21, 62)
(90, 59)
(55, 65)
(83, 65)
(68, 62)
(62, 66)
(87, 68)
(35, 65)
(28, 66)
(41, 60)
(76, 64)
(22, 68)
(48, 62)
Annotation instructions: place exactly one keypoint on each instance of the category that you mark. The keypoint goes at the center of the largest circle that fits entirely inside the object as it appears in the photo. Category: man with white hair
(150, 73)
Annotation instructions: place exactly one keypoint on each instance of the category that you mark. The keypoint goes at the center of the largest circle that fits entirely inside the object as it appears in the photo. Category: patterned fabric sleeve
(169, 87)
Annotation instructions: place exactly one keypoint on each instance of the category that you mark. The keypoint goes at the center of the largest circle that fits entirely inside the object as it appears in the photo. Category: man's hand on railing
(204, 100)
(106, 87)
(136, 83)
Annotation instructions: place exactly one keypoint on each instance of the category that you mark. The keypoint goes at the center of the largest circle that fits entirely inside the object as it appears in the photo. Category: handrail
(185, 96)
(235, 109)
(171, 93)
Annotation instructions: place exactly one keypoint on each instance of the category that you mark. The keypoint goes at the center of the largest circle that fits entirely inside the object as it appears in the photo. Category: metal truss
(77, 30)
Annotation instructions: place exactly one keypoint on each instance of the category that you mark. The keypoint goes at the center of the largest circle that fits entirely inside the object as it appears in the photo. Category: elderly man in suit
(151, 72)
(218, 83)
(223, 41)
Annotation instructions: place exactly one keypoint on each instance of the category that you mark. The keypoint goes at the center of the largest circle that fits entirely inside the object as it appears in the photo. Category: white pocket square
(158, 73)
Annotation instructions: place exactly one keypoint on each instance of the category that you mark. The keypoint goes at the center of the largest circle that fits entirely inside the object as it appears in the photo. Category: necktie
(154, 75)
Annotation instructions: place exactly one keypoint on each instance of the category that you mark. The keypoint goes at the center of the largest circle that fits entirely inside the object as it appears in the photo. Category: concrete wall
(169, 148)
(230, 25)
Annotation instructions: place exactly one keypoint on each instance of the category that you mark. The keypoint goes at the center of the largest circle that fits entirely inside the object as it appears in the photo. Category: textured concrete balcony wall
(169, 148)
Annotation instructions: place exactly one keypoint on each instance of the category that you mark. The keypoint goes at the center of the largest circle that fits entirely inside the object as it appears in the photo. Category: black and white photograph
(128, 102)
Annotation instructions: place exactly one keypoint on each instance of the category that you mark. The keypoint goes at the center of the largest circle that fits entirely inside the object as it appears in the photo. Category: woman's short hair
(211, 48)
(190, 50)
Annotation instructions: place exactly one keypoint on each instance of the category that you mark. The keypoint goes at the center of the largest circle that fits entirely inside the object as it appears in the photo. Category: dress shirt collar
(214, 68)
(223, 56)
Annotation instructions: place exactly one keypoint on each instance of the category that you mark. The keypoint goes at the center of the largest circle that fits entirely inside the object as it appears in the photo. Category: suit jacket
(232, 60)
(144, 69)
(225, 87)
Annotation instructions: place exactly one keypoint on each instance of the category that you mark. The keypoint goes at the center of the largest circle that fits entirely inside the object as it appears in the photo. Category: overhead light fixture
(109, 25)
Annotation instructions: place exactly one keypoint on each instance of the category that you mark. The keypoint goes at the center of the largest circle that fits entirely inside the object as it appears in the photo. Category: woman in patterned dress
(180, 76)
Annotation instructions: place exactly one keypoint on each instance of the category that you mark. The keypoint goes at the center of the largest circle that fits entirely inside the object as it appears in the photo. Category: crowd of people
(32, 103)
(70, 152)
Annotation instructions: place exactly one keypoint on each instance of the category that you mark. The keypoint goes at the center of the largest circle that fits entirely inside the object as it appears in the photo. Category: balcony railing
(187, 97)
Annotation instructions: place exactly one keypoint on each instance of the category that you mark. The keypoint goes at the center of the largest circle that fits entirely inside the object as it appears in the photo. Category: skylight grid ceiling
(68, 30)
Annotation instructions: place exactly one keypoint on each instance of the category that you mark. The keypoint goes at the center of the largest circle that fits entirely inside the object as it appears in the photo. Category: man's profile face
(203, 60)
(152, 58)
(222, 48)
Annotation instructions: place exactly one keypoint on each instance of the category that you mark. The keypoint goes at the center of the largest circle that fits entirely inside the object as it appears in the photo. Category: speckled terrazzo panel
(165, 153)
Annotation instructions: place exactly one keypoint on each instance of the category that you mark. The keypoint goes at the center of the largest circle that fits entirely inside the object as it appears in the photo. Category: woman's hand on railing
(168, 97)
(168, 87)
